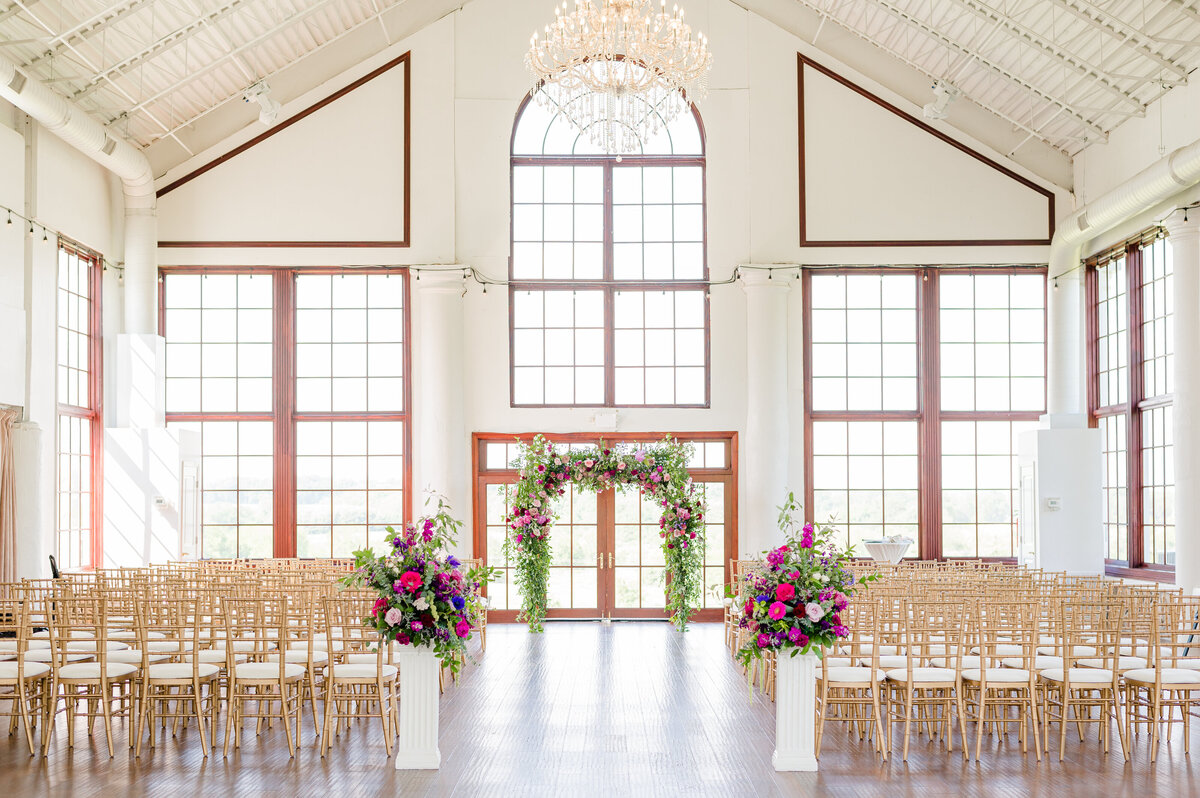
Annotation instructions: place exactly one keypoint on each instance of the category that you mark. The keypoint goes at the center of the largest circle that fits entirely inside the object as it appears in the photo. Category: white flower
(820, 577)
(422, 603)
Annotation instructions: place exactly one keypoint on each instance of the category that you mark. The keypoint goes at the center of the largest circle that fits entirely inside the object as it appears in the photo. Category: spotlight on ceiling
(943, 95)
(261, 93)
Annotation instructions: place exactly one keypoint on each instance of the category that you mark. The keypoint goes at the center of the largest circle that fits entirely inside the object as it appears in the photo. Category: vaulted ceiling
(1039, 80)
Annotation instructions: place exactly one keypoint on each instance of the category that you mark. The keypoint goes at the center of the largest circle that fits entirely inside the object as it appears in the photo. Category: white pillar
(765, 451)
(141, 270)
(1065, 338)
(440, 462)
(1185, 254)
(795, 711)
(417, 733)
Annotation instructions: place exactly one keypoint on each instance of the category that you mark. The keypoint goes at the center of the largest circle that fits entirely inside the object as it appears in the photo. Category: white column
(440, 460)
(1185, 254)
(1065, 338)
(417, 735)
(795, 711)
(765, 451)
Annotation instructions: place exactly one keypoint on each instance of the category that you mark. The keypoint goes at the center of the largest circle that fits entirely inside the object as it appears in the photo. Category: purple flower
(796, 637)
(764, 640)
(417, 626)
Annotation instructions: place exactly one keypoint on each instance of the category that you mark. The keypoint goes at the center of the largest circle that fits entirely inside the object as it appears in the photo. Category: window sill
(1158, 574)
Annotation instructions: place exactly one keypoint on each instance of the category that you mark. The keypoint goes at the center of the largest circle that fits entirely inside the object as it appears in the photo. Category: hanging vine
(659, 470)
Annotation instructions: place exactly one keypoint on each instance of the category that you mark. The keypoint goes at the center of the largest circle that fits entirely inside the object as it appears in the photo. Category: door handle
(600, 561)
(610, 559)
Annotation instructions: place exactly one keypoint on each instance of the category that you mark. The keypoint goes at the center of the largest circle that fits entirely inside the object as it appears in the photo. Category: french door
(607, 557)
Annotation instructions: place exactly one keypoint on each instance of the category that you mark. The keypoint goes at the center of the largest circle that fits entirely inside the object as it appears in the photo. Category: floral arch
(659, 470)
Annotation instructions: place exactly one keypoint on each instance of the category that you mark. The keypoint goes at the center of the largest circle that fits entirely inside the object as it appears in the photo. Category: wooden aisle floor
(630, 709)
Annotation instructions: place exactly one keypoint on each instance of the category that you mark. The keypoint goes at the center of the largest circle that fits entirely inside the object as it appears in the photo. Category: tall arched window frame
(608, 273)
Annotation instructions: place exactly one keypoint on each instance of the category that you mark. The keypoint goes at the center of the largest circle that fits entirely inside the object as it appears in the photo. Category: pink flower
(462, 628)
(394, 616)
(380, 603)
(794, 575)
(777, 610)
(764, 640)
(796, 637)
(814, 611)
(785, 592)
(411, 581)
(417, 626)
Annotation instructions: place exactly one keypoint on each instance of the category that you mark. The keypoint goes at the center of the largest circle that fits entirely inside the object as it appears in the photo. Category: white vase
(417, 743)
(795, 711)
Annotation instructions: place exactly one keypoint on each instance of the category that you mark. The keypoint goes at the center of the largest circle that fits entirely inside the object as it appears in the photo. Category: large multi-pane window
(1131, 356)
(79, 436)
(609, 303)
(296, 381)
(919, 384)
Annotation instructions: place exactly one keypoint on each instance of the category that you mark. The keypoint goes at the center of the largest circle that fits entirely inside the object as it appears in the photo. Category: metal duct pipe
(1154, 184)
(71, 124)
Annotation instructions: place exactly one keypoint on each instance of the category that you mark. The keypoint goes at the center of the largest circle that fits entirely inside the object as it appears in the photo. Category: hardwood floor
(631, 709)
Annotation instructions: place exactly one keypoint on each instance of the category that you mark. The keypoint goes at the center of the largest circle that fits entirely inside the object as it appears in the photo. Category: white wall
(468, 80)
(69, 193)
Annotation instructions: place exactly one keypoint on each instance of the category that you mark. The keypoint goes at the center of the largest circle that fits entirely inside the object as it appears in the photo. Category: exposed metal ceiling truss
(1066, 72)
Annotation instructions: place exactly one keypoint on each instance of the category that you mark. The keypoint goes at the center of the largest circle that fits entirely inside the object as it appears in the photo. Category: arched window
(608, 272)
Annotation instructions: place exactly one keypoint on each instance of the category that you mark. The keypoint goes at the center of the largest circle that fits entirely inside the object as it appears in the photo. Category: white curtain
(8, 497)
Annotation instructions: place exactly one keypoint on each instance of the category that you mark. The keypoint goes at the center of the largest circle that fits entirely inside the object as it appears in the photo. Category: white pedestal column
(440, 460)
(417, 741)
(1185, 254)
(1065, 394)
(795, 712)
(765, 453)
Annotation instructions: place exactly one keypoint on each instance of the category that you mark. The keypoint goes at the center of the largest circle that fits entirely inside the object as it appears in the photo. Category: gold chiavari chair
(1006, 631)
(259, 622)
(356, 686)
(191, 687)
(855, 689)
(24, 683)
(1172, 673)
(79, 627)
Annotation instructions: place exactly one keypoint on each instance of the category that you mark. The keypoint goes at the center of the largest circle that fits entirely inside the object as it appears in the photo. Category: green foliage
(659, 470)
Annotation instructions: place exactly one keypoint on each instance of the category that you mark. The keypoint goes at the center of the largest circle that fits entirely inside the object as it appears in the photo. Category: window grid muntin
(78, 428)
(1147, 269)
(928, 414)
(608, 284)
(283, 326)
(1115, 485)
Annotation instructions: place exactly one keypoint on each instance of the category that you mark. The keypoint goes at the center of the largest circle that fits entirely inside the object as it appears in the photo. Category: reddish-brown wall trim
(402, 59)
(805, 241)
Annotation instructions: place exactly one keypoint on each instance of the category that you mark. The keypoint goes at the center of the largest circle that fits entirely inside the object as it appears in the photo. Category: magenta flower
(764, 640)
(777, 610)
(411, 581)
(796, 637)
(785, 592)
(417, 626)
(462, 628)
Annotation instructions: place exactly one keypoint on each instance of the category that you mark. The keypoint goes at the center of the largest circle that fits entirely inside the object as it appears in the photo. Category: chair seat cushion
(10, 646)
(91, 670)
(968, 661)
(125, 634)
(46, 655)
(180, 670)
(266, 670)
(835, 662)
(852, 675)
(214, 655)
(1003, 650)
(1079, 651)
(1169, 676)
(133, 656)
(362, 671)
(887, 662)
(1007, 675)
(91, 645)
(1079, 675)
(1123, 663)
(921, 675)
(170, 646)
(301, 657)
(8, 670)
(1040, 663)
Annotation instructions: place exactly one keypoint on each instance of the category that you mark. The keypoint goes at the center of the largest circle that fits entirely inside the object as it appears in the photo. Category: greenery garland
(660, 470)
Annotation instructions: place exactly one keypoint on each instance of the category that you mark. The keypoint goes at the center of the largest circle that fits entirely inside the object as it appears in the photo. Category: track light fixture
(261, 93)
(943, 95)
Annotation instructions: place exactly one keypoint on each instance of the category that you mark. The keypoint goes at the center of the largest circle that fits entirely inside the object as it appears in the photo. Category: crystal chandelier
(618, 70)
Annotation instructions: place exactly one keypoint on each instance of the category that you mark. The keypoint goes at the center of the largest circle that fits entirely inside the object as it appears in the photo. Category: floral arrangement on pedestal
(796, 599)
(659, 470)
(426, 597)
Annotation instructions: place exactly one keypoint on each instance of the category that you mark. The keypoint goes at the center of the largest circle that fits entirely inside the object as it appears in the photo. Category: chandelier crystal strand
(618, 70)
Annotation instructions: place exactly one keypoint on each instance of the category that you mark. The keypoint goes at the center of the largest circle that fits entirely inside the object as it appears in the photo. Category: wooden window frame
(94, 412)
(928, 413)
(1137, 402)
(283, 413)
(483, 476)
(608, 284)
